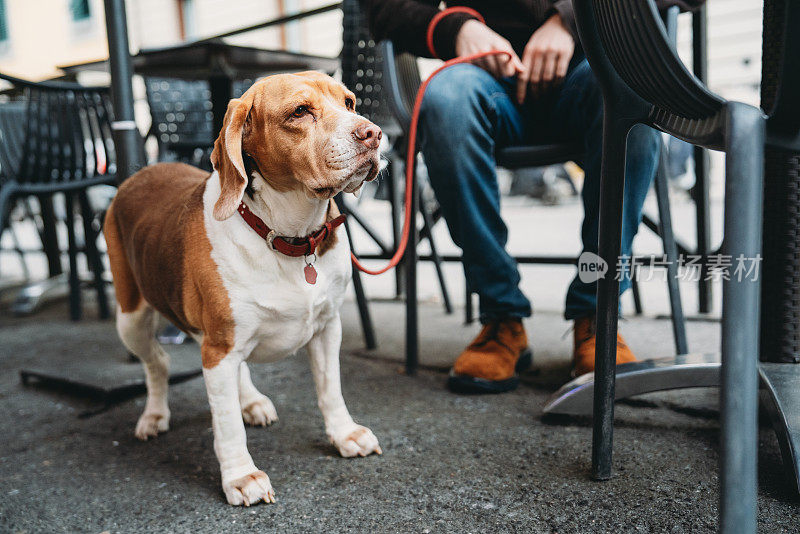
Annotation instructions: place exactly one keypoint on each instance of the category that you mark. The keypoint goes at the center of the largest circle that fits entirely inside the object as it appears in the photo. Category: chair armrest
(392, 86)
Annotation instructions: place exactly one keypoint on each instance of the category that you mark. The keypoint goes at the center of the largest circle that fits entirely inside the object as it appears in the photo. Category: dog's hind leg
(257, 409)
(136, 325)
(137, 330)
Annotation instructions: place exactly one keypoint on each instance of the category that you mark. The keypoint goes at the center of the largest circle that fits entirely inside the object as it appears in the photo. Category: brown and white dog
(177, 246)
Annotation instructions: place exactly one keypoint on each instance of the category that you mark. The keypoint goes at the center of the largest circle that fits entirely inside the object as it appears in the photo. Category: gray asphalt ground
(450, 463)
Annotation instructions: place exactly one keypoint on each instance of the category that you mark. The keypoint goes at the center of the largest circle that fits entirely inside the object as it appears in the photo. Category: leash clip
(270, 239)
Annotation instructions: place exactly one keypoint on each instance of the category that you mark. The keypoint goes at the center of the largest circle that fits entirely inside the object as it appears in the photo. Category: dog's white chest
(275, 310)
(286, 318)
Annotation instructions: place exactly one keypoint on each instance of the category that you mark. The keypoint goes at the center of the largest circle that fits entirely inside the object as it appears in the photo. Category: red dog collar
(301, 246)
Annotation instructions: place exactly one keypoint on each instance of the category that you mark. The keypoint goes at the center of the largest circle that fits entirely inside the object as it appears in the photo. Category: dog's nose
(368, 135)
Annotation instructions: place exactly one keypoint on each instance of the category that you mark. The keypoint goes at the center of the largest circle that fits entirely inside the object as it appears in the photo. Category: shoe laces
(490, 332)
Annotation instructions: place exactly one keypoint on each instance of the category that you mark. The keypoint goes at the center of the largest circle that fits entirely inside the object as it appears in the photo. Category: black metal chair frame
(645, 82)
(66, 148)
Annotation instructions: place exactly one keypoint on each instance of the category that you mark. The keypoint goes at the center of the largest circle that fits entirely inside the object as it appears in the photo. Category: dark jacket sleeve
(406, 23)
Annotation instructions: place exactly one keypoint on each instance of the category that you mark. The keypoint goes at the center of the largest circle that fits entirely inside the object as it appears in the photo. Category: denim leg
(464, 115)
(578, 113)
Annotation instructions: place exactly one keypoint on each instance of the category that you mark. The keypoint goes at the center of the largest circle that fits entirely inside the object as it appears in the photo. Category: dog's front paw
(150, 424)
(259, 412)
(249, 489)
(357, 441)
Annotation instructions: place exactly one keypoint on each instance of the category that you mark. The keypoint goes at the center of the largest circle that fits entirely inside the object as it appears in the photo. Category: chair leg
(361, 300)
(17, 244)
(469, 312)
(740, 317)
(49, 235)
(612, 186)
(93, 256)
(671, 253)
(637, 296)
(700, 195)
(72, 248)
(427, 232)
(396, 201)
(410, 261)
(5, 209)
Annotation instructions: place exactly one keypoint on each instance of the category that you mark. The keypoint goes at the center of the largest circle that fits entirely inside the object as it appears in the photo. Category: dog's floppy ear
(227, 158)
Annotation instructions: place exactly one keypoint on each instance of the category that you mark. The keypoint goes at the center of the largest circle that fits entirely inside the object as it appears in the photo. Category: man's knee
(457, 95)
(644, 140)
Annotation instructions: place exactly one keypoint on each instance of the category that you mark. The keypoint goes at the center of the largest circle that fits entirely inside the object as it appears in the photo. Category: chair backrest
(64, 136)
(181, 113)
(12, 138)
(630, 52)
(363, 66)
(182, 119)
(780, 272)
(402, 82)
(637, 44)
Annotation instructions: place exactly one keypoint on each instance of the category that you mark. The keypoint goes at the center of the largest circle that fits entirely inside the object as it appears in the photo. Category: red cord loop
(442, 14)
(411, 159)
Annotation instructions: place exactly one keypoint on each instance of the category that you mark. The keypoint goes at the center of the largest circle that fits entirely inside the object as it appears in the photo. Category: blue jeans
(466, 115)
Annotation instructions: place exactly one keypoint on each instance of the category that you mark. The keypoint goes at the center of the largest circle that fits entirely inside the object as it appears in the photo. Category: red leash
(412, 135)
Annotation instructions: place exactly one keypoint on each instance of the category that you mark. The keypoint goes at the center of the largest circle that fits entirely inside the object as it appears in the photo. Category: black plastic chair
(780, 295)
(402, 80)
(66, 147)
(181, 118)
(645, 82)
(364, 72)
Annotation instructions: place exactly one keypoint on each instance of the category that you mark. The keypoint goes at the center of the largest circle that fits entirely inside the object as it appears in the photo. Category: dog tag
(311, 274)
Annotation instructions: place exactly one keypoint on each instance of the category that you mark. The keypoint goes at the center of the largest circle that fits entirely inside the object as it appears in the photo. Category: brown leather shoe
(490, 363)
(585, 341)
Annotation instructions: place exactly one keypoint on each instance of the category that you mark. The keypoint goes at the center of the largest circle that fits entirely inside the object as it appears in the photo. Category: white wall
(734, 48)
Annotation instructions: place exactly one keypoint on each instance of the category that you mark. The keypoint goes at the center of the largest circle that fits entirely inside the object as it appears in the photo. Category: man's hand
(546, 58)
(475, 37)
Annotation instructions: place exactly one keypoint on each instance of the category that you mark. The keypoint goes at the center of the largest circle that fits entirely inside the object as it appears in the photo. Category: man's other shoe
(585, 340)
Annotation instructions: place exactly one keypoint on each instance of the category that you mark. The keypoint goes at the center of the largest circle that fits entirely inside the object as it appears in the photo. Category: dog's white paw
(150, 424)
(249, 489)
(259, 412)
(357, 441)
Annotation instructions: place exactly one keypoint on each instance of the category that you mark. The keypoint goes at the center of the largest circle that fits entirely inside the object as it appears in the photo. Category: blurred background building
(37, 36)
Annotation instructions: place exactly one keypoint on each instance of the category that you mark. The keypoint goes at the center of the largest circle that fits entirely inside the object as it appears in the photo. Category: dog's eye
(300, 111)
(349, 104)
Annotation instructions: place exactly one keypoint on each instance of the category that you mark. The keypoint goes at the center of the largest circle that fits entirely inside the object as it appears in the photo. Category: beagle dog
(247, 261)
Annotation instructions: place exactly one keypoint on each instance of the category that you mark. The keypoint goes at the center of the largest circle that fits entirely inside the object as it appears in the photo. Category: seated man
(543, 92)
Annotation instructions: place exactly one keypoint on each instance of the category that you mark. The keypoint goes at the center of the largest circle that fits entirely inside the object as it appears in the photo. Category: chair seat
(515, 157)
